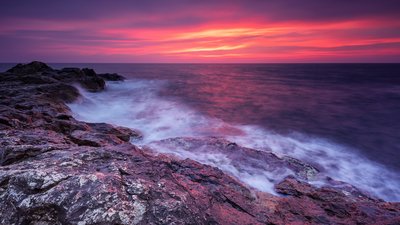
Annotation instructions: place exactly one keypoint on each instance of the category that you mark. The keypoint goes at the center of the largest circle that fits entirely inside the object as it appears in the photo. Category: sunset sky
(200, 31)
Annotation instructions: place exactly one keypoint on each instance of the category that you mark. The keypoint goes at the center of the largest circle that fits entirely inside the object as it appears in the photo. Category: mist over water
(357, 105)
(183, 104)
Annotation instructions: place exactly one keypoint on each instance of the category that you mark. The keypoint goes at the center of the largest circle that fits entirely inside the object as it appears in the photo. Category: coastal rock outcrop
(30, 68)
(111, 76)
(55, 169)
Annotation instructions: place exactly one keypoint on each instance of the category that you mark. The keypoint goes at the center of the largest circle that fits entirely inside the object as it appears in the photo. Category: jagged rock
(93, 83)
(30, 68)
(71, 70)
(331, 206)
(87, 78)
(64, 92)
(57, 170)
(121, 185)
(123, 133)
(111, 76)
(95, 139)
(89, 72)
(17, 145)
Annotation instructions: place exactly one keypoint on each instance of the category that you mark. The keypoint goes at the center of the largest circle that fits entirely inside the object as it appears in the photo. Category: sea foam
(137, 104)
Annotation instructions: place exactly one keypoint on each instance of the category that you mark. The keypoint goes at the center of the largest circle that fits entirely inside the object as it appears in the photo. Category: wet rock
(93, 83)
(239, 157)
(65, 127)
(123, 133)
(111, 76)
(63, 116)
(87, 78)
(94, 139)
(326, 205)
(291, 186)
(303, 169)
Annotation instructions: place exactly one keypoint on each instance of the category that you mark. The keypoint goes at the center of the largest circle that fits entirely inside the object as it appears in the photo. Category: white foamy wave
(262, 180)
(333, 160)
(136, 104)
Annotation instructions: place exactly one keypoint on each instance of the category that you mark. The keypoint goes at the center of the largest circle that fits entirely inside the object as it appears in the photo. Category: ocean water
(342, 118)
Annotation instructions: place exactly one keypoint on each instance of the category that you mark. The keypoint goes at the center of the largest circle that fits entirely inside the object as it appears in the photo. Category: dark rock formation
(40, 73)
(30, 68)
(85, 77)
(111, 76)
(57, 170)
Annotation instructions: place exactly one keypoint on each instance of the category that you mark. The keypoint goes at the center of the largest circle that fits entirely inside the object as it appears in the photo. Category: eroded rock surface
(57, 170)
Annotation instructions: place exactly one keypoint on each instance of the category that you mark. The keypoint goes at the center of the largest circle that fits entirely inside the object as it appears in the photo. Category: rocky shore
(55, 169)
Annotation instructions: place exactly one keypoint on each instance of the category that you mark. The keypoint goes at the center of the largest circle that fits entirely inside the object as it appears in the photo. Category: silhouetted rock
(87, 78)
(89, 72)
(57, 170)
(93, 83)
(30, 68)
(71, 70)
(111, 76)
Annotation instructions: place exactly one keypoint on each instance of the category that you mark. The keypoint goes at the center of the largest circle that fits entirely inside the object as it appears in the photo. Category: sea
(342, 118)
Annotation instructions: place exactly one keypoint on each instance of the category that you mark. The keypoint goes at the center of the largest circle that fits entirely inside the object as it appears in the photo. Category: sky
(202, 31)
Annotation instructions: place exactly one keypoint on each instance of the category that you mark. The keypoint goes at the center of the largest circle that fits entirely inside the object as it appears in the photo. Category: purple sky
(200, 31)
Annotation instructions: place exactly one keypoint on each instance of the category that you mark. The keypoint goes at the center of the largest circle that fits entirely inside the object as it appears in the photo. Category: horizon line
(203, 62)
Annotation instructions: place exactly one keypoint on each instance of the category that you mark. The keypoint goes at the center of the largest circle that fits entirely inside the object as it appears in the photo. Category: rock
(124, 186)
(94, 139)
(330, 206)
(89, 72)
(241, 158)
(60, 91)
(87, 78)
(63, 116)
(302, 169)
(30, 68)
(17, 145)
(291, 186)
(123, 133)
(57, 170)
(71, 70)
(111, 76)
(93, 83)
(36, 79)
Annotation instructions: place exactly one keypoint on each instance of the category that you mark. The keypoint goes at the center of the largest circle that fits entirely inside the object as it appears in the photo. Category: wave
(136, 103)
